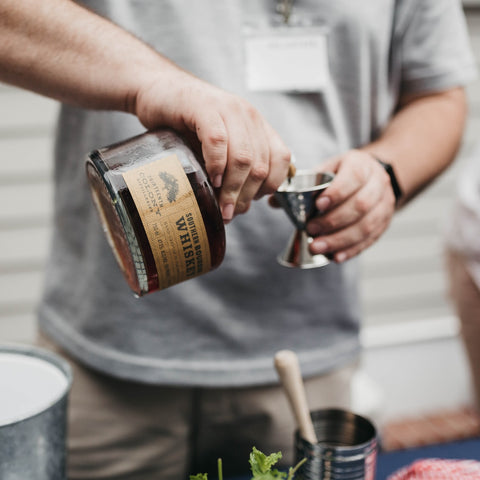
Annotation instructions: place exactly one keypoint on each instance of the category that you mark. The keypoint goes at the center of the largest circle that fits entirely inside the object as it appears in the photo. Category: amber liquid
(212, 220)
(119, 213)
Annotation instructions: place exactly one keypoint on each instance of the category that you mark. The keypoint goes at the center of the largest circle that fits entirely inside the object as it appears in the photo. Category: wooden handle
(288, 369)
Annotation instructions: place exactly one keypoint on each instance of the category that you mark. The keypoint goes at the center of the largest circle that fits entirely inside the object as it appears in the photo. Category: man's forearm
(422, 139)
(61, 50)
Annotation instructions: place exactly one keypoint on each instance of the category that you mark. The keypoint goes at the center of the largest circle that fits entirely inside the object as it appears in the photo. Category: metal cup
(346, 449)
(34, 387)
(297, 197)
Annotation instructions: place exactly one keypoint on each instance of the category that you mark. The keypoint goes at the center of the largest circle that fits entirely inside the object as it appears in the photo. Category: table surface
(389, 462)
(461, 450)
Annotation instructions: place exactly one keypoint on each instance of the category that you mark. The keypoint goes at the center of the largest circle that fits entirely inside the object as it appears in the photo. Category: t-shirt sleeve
(433, 44)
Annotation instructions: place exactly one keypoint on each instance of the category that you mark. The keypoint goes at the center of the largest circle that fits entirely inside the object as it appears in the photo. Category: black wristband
(397, 191)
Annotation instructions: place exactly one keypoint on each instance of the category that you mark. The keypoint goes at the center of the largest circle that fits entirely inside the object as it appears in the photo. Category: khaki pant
(466, 297)
(124, 430)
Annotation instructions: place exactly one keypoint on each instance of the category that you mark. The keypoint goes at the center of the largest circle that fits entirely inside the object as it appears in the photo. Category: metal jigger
(297, 197)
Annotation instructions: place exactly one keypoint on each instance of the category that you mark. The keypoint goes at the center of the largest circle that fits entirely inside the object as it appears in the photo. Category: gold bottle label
(172, 220)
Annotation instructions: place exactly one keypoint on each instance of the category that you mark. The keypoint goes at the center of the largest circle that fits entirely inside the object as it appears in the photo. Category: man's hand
(421, 140)
(356, 208)
(244, 156)
(73, 55)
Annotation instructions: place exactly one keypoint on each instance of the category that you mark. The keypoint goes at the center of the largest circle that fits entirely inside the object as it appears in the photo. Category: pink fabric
(437, 469)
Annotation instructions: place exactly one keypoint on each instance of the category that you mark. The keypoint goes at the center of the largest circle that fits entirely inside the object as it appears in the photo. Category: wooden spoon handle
(288, 369)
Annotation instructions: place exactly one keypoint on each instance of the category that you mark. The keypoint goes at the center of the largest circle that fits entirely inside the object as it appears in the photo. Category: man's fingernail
(217, 181)
(227, 212)
(323, 203)
(320, 246)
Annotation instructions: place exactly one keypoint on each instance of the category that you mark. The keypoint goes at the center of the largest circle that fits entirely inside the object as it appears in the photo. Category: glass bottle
(158, 209)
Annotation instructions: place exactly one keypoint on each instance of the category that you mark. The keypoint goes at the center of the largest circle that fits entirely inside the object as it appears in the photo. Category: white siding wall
(26, 136)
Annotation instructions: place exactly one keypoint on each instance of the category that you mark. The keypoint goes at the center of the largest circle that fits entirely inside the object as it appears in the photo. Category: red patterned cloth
(438, 469)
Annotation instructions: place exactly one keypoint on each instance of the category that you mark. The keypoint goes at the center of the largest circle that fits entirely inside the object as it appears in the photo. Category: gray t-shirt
(223, 328)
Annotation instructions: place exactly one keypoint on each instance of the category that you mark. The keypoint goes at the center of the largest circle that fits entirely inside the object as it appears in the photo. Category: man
(167, 383)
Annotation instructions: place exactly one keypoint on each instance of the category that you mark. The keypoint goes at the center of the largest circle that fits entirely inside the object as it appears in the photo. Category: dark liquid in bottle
(213, 225)
(121, 240)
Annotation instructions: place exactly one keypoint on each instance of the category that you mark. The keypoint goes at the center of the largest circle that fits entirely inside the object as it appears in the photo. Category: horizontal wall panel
(427, 306)
(432, 308)
(402, 288)
(402, 255)
(23, 110)
(20, 291)
(21, 204)
(424, 216)
(23, 248)
(385, 298)
(29, 157)
(19, 328)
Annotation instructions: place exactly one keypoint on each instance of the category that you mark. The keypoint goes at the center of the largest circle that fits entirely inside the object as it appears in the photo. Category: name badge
(288, 59)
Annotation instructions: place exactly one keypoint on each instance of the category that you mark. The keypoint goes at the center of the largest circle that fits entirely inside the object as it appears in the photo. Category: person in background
(462, 239)
(166, 384)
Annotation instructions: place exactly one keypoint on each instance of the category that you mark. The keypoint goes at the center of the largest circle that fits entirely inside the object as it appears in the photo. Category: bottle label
(172, 220)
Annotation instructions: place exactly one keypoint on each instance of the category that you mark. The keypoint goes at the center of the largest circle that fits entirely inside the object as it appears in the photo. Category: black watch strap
(397, 191)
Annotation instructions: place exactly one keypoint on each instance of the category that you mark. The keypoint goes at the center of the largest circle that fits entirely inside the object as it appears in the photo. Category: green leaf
(261, 466)
(199, 476)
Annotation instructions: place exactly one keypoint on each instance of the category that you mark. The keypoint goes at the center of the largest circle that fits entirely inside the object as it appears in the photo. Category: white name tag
(286, 59)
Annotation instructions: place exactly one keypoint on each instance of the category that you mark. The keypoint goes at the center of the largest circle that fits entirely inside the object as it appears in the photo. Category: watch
(397, 191)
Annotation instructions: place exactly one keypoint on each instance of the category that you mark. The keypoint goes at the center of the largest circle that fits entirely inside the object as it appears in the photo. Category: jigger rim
(288, 184)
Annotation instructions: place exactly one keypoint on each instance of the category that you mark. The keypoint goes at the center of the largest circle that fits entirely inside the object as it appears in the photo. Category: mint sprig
(261, 466)
(199, 476)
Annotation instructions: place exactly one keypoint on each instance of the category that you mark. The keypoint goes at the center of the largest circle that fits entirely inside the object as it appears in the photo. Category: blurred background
(413, 361)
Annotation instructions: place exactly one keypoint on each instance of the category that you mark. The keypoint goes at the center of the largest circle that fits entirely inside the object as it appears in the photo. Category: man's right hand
(244, 156)
(71, 54)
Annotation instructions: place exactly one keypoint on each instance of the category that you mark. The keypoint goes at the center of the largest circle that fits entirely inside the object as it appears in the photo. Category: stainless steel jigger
(297, 197)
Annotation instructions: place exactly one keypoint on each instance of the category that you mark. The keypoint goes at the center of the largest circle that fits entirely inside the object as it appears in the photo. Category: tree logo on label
(170, 185)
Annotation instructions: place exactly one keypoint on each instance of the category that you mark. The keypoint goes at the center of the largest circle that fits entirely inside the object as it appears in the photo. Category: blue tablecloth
(392, 461)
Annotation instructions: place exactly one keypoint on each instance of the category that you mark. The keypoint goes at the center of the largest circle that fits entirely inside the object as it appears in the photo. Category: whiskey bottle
(158, 209)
